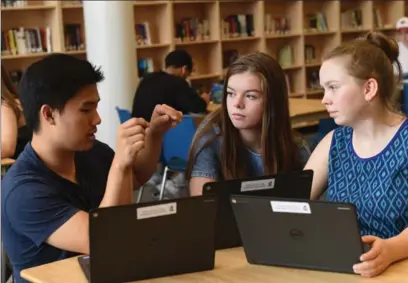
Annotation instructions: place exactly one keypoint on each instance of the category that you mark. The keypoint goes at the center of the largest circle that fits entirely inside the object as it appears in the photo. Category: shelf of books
(33, 29)
(215, 32)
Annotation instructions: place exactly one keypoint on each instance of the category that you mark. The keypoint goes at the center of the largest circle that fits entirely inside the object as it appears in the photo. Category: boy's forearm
(119, 187)
(147, 159)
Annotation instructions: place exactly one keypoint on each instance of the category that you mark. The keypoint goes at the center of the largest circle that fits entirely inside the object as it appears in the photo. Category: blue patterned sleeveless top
(377, 186)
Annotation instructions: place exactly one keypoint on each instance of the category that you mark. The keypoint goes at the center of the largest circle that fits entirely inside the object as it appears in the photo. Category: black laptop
(150, 240)
(304, 234)
(295, 184)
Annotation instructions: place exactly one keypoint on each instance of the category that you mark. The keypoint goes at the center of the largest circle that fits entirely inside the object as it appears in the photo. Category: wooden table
(303, 112)
(7, 161)
(5, 164)
(230, 266)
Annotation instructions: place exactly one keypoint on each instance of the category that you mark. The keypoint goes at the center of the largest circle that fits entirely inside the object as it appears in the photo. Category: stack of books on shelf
(238, 26)
(316, 22)
(217, 92)
(74, 2)
(378, 20)
(313, 82)
(352, 19)
(285, 56)
(192, 29)
(310, 54)
(228, 57)
(13, 3)
(276, 25)
(20, 41)
(72, 36)
(143, 34)
(145, 66)
(378, 23)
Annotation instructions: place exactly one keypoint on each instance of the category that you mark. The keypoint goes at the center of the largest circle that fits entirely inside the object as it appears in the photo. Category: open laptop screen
(295, 184)
(298, 233)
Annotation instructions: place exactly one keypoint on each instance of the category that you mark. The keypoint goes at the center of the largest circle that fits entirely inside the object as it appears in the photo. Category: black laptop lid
(296, 184)
(149, 240)
(303, 234)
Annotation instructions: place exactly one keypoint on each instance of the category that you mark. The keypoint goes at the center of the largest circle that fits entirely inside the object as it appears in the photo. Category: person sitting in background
(365, 160)
(169, 87)
(14, 131)
(64, 171)
(250, 134)
(402, 36)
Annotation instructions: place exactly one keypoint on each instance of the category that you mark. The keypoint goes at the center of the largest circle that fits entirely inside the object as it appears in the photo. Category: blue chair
(175, 148)
(123, 114)
(325, 126)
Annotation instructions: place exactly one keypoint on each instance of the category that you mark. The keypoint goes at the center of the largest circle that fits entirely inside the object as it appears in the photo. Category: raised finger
(128, 132)
(135, 138)
(135, 122)
(167, 110)
(138, 146)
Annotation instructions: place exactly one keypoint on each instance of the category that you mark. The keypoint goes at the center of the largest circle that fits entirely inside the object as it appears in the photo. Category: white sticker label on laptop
(291, 207)
(157, 210)
(248, 186)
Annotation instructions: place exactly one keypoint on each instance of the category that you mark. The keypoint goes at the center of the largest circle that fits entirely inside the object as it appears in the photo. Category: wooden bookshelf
(34, 19)
(282, 29)
(406, 7)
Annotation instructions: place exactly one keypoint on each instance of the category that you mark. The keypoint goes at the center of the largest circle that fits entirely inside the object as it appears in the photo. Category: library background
(296, 33)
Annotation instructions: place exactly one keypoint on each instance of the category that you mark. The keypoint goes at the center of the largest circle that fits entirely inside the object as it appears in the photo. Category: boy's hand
(163, 118)
(130, 140)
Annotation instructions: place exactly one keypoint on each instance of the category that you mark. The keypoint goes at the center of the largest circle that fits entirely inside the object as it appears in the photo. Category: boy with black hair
(169, 87)
(64, 171)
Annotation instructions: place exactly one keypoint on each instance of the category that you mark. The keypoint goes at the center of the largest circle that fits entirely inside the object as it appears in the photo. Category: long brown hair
(278, 147)
(373, 56)
(9, 92)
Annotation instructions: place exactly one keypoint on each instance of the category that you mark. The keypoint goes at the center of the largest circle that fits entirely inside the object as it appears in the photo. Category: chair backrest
(326, 125)
(123, 114)
(177, 141)
(405, 97)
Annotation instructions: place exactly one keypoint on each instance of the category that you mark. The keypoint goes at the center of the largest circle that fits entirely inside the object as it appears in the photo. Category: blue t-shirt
(35, 202)
(377, 186)
(207, 161)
